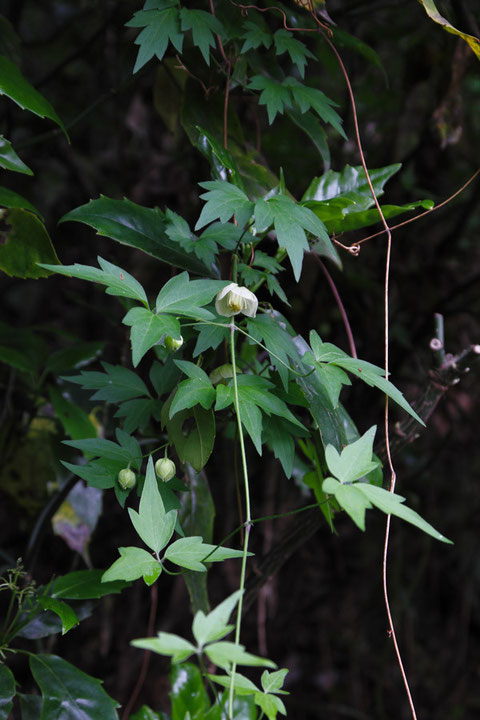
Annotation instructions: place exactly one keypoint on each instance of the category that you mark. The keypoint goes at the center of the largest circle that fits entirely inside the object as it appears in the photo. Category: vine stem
(393, 476)
(248, 515)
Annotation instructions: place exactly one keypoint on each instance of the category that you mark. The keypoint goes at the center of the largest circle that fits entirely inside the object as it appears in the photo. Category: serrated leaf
(277, 341)
(25, 244)
(189, 552)
(351, 183)
(147, 328)
(67, 691)
(214, 625)
(256, 34)
(115, 385)
(167, 644)
(224, 654)
(308, 97)
(355, 460)
(203, 25)
(9, 158)
(18, 89)
(298, 51)
(223, 200)
(182, 296)
(160, 28)
(273, 94)
(391, 504)
(132, 564)
(209, 336)
(118, 281)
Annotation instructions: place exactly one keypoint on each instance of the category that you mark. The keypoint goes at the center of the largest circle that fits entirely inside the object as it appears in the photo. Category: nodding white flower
(233, 300)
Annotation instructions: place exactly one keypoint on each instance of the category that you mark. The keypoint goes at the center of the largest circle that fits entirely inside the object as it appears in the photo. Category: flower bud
(173, 344)
(234, 299)
(165, 469)
(126, 479)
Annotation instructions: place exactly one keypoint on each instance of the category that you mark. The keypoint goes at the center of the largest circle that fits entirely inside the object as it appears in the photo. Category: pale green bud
(234, 299)
(165, 469)
(126, 479)
(173, 344)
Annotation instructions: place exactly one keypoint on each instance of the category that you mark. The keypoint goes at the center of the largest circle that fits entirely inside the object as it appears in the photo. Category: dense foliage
(188, 403)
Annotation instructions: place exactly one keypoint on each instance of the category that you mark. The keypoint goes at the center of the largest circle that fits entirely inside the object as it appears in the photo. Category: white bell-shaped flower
(233, 300)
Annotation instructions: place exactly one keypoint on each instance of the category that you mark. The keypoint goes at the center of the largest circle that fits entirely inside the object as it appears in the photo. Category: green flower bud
(126, 479)
(172, 344)
(165, 469)
(234, 299)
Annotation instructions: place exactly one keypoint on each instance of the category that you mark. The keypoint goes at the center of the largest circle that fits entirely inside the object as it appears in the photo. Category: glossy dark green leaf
(351, 184)
(146, 713)
(69, 692)
(344, 217)
(187, 692)
(138, 227)
(192, 432)
(9, 158)
(31, 706)
(11, 199)
(85, 584)
(18, 89)
(66, 614)
(7, 691)
(23, 244)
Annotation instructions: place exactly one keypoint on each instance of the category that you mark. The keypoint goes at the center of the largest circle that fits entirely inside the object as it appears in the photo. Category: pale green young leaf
(273, 681)
(203, 26)
(355, 460)
(9, 158)
(214, 625)
(151, 522)
(18, 89)
(242, 685)
(160, 28)
(169, 644)
(224, 654)
(270, 704)
(274, 95)
(354, 502)
(182, 296)
(223, 200)
(391, 504)
(118, 281)
(324, 352)
(147, 329)
(298, 51)
(191, 552)
(132, 564)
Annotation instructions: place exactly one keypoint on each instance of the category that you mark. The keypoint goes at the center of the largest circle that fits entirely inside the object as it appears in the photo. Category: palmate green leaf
(391, 504)
(160, 28)
(223, 200)
(187, 694)
(272, 682)
(349, 497)
(84, 585)
(203, 25)
(133, 564)
(69, 692)
(204, 247)
(115, 385)
(256, 34)
(224, 654)
(290, 221)
(355, 460)
(66, 614)
(167, 644)
(99, 474)
(147, 329)
(298, 51)
(139, 227)
(7, 691)
(190, 552)
(25, 244)
(214, 625)
(18, 89)
(9, 158)
(118, 281)
(154, 526)
(182, 296)
(307, 98)
(273, 94)
(278, 435)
